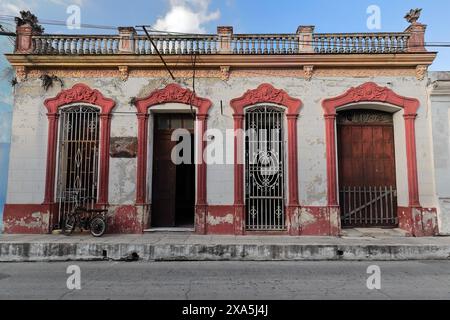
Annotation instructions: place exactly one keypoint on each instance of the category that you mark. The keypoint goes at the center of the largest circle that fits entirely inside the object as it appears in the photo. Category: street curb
(48, 252)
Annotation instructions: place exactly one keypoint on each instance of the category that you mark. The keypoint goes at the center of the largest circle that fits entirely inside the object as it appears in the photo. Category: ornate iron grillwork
(78, 158)
(264, 154)
(364, 117)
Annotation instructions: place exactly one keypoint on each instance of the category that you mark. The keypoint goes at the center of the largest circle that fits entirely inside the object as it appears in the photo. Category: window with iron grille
(78, 158)
(264, 166)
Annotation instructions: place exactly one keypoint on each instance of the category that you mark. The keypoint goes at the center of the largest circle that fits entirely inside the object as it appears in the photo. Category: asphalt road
(226, 280)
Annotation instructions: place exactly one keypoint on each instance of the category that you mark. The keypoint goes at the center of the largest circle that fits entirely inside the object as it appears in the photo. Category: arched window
(264, 168)
(78, 157)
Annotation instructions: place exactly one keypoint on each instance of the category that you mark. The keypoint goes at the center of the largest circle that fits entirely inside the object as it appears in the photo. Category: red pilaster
(105, 125)
(239, 218)
(51, 158)
(330, 123)
(293, 202)
(201, 203)
(411, 159)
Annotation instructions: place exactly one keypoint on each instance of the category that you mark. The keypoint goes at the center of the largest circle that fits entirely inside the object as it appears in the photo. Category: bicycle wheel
(98, 227)
(69, 224)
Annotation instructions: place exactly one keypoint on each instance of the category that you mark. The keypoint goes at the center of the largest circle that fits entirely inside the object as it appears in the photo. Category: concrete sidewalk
(190, 247)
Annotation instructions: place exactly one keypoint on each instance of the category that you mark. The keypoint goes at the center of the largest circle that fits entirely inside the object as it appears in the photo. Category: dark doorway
(367, 179)
(173, 190)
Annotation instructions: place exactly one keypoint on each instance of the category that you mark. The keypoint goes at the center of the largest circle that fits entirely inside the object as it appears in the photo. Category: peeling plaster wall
(440, 120)
(28, 151)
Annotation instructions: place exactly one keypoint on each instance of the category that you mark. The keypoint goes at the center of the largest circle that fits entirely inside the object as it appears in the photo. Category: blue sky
(247, 16)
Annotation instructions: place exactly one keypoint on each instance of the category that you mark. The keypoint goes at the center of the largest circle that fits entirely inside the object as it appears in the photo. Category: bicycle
(93, 220)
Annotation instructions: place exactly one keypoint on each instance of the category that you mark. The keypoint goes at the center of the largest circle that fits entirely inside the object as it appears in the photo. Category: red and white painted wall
(311, 173)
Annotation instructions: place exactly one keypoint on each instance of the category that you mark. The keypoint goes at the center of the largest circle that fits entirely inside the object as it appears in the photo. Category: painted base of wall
(419, 222)
(26, 219)
(220, 220)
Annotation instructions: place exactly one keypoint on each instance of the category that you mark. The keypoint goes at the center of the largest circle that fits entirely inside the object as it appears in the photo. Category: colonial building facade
(342, 132)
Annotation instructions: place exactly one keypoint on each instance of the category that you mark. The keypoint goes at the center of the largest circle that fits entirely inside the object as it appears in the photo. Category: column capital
(142, 116)
(330, 116)
(201, 117)
(410, 116)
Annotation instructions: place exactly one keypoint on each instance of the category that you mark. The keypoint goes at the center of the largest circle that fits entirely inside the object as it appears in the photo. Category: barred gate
(264, 154)
(78, 158)
(368, 206)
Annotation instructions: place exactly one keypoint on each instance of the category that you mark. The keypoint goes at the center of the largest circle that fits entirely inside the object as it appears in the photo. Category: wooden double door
(367, 178)
(173, 185)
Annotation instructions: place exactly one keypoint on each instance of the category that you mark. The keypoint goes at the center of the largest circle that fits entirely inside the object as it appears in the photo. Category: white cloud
(188, 16)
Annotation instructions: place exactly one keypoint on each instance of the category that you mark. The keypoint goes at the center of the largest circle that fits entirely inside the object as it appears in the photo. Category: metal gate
(78, 158)
(264, 154)
(369, 206)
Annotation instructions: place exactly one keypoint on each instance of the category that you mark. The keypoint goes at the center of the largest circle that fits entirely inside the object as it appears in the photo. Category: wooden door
(367, 177)
(173, 191)
(164, 180)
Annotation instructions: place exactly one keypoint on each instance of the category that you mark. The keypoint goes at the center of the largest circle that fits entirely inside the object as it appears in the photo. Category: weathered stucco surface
(29, 136)
(440, 124)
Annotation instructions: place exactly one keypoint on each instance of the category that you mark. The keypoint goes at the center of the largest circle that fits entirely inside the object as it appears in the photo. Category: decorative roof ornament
(413, 15)
(26, 17)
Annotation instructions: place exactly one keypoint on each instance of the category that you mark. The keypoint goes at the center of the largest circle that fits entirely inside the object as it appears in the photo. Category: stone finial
(27, 25)
(413, 15)
(27, 18)
(416, 41)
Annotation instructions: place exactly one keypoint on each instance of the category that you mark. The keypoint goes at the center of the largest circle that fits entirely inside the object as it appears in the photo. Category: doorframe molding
(266, 93)
(372, 93)
(79, 93)
(173, 93)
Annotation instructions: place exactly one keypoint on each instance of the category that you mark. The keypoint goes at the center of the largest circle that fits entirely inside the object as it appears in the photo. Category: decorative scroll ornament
(309, 71)
(21, 73)
(80, 94)
(225, 73)
(173, 93)
(124, 73)
(421, 72)
(369, 92)
(364, 117)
